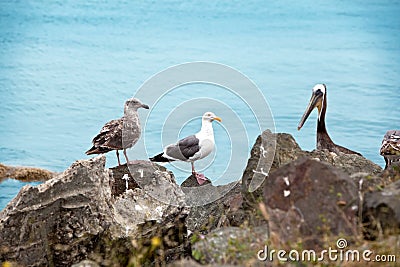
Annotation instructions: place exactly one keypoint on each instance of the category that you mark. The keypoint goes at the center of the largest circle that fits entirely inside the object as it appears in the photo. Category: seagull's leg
(126, 157)
(199, 176)
(119, 163)
(193, 171)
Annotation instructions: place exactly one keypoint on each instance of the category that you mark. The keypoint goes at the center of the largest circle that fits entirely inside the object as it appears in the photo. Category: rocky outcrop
(258, 166)
(272, 151)
(348, 163)
(191, 181)
(25, 174)
(46, 218)
(137, 215)
(231, 245)
(307, 201)
(382, 212)
(226, 211)
(74, 217)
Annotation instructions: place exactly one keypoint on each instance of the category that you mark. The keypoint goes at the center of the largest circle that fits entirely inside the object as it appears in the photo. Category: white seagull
(193, 147)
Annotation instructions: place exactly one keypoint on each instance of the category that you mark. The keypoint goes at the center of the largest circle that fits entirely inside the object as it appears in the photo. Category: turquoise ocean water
(67, 67)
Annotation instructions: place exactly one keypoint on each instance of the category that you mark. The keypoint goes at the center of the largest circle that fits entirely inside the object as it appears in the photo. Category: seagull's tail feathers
(97, 150)
(160, 158)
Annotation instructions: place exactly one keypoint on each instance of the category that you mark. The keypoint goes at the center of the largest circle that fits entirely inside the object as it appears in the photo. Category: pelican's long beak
(217, 119)
(315, 101)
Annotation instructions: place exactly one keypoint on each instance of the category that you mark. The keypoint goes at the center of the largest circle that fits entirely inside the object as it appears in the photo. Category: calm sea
(66, 68)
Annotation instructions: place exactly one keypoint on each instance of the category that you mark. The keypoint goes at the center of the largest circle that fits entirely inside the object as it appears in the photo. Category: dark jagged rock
(91, 216)
(74, 217)
(258, 166)
(307, 200)
(48, 217)
(348, 163)
(121, 180)
(287, 150)
(191, 181)
(231, 245)
(381, 213)
(391, 174)
(226, 211)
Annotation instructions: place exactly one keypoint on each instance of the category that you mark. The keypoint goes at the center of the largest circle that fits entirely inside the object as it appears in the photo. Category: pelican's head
(209, 116)
(134, 104)
(316, 101)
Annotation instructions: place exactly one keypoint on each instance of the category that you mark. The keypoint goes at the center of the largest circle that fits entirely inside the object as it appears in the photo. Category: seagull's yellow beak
(217, 119)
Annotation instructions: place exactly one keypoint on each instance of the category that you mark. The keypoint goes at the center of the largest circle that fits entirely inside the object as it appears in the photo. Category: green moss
(331, 190)
(197, 255)
(194, 238)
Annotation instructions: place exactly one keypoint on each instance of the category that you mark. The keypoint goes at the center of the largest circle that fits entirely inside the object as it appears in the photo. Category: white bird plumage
(193, 147)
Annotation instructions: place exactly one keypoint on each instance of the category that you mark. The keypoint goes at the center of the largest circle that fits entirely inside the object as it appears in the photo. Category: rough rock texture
(231, 245)
(206, 193)
(391, 175)
(348, 163)
(307, 200)
(258, 166)
(46, 218)
(137, 215)
(191, 181)
(74, 217)
(226, 211)
(382, 212)
(287, 150)
(86, 263)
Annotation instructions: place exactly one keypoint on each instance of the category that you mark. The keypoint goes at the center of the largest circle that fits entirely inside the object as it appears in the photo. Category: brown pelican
(193, 147)
(121, 133)
(390, 148)
(318, 100)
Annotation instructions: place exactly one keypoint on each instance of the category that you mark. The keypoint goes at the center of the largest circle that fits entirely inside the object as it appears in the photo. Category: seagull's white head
(209, 116)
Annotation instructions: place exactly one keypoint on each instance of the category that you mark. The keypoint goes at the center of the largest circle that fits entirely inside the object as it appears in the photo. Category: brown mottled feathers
(112, 136)
(390, 148)
(109, 138)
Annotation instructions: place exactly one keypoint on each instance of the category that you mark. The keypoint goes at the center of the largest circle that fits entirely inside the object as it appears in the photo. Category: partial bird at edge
(390, 148)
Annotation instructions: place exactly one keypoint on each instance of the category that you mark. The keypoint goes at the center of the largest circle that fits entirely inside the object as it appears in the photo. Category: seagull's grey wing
(131, 130)
(184, 149)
